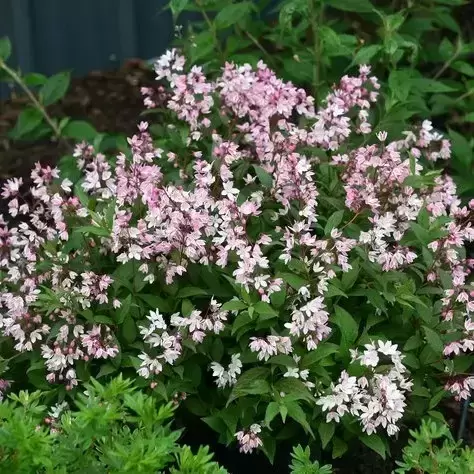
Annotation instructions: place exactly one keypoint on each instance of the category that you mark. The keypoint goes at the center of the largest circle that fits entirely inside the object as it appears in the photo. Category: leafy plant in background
(432, 450)
(35, 122)
(416, 48)
(283, 272)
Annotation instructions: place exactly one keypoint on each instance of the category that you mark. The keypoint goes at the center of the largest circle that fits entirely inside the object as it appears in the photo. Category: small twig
(450, 60)
(213, 31)
(315, 19)
(465, 95)
(259, 45)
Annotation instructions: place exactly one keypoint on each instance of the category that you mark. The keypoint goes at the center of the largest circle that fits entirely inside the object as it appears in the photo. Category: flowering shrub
(239, 260)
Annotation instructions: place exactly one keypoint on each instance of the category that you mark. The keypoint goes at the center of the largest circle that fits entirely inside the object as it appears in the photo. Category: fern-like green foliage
(433, 450)
(301, 463)
(113, 428)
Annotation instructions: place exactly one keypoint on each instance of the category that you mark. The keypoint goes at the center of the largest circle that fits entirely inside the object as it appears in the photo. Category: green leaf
(333, 290)
(5, 48)
(106, 369)
(323, 350)
(399, 84)
(463, 67)
(243, 319)
(34, 79)
(80, 130)
(298, 414)
(349, 278)
(177, 6)
(413, 342)
(366, 53)
(294, 389)
(293, 280)
(264, 177)
(326, 432)
(461, 149)
(156, 302)
(358, 6)
(273, 409)
(232, 14)
(339, 447)
(251, 382)
(375, 443)
(27, 121)
(124, 309)
(425, 86)
(129, 329)
(282, 359)
(469, 117)
(92, 229)
(55, 88)
(333, 221)
(191, 291)
(234, 305)
(435, 399)
(348, 327)
(433, 340)
(265, 309)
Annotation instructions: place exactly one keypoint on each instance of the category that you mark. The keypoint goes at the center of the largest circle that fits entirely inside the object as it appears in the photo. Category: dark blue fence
(83, 35)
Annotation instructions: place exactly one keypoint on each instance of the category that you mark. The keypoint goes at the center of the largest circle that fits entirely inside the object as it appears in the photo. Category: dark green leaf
(5, 48)
(177, 6)
(461, 149)
(264, 308)
(232, 14)
(375, 443)
(334, 220)
(106, 369)
(358, 6)
(294, 389)
(399, 84)
(298, 414)
(156, 302)
(234, 305)
(366, 53)
(92, 229)
(264, 177)
(191, 291)
(326, 432)
(323, 350)
(251, 382)
(55, 88)
(124, 309)
(27, 121)
(339, 447)
(293, 280)
(80, 130)
(348, 327)
(129, 329)
(272, 410)
(433, 340)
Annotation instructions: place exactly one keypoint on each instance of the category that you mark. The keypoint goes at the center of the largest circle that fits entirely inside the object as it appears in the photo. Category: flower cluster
(377, 399)
(227, 377)
(249, 439)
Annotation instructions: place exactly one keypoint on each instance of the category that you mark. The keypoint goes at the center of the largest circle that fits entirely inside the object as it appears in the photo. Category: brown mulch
(110, 100)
